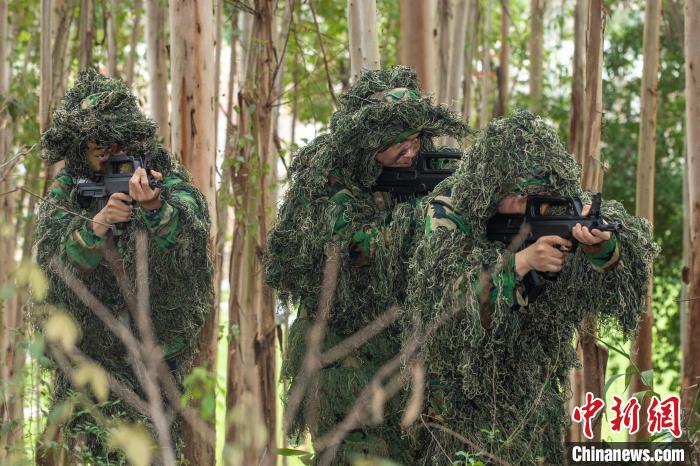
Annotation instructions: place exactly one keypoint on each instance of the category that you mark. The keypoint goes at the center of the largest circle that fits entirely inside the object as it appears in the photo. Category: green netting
(504, 388)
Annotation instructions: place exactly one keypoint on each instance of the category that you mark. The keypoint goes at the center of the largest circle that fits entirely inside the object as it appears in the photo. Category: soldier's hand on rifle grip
(542, 256)
(591, 240)
(141, 192)
(117, 210)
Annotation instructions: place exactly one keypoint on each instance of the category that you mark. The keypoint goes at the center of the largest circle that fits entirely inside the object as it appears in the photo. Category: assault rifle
(120, 169)
(404, 184)
(547, 216)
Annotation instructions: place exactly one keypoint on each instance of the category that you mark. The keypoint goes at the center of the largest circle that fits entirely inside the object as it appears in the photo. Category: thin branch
(360, 337)
(312, 360)
(323, 52)
(23, 189)
(466, 441)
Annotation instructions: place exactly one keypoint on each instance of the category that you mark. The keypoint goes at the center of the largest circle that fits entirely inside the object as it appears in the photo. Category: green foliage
(201, 385)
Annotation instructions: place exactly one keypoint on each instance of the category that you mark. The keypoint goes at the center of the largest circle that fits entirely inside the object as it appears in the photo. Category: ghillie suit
(498, 369)
(104, 111)
(329, 199)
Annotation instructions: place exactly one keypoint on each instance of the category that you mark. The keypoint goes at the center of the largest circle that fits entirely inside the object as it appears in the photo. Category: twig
(152, 353)
(312, 361)
(359, 338)
(12, 161)
(291, 5)
(332, 440)
(323, 53)
(21, 188)
(466, 441)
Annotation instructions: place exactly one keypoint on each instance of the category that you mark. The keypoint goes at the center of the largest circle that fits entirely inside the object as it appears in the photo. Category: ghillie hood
(102, 110)
(382, 108)
(504, 383)
(520, 153)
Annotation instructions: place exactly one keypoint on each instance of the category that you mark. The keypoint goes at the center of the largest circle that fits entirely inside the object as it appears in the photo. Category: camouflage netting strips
(504, 388)
(103, 110)
(361, 127)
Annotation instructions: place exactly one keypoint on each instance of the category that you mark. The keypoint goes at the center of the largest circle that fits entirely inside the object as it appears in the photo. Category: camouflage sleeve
(442, 214)
(164, 222)
(607, 257)
(81, 245)
(362, 241)
(84, 247)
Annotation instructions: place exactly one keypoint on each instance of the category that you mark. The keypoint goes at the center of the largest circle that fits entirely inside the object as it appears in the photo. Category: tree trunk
(86, 35)
(642, 346)
(112, 39)
(218, 38)
(578, 82)
(11, 379)
(485, 68)
(362, 30)
(416, 41)
(537, 9)
(503, 87)
(157, 68)
(691, 351)
(594, 355)
(252, 352)
(457, 55)
(192, 58)
(443, 35)
(133, 43)
(469, 50)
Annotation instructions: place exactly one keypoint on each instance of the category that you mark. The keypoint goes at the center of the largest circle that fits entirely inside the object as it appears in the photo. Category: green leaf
(631, 370)
(610, 381)
(648, 377)
(291, 452)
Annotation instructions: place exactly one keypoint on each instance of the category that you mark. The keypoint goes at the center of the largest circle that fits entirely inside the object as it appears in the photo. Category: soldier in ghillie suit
(98, 118)
(382, 120)
(498, 368)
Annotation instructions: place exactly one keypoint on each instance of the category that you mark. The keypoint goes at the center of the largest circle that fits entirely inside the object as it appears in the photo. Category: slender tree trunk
(11, 415)
(218, 38)
(417, 42)
(578, 82)
(86, 35)
(503, 87)
(642, 346)
(578, 92)
(537, 9)
(485, 68)
(691, 351)
(112, 39)
(443, 34)
(133, 42)
(455, 74)
(158, 67)
(469, 50)
(594, 355)
(362, 29)
(192, 58)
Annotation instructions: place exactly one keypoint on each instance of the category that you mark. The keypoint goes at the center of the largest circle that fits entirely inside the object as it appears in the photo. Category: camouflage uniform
(330, 199)
(104, 111)
(497, 370)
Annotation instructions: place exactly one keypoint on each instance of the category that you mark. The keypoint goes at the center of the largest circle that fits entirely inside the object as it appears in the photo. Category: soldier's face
(513, 204)
(97, 156)
(401, 154)
(517, 204)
